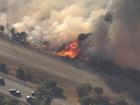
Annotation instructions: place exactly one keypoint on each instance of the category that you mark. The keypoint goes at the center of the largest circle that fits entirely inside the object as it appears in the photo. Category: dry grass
(38, 76)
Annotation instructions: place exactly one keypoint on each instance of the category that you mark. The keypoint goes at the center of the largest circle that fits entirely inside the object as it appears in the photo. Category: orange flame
(72, 50)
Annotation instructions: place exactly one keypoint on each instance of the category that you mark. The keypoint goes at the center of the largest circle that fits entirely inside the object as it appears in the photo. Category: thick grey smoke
(120, 40)
(56, 21)
(60, 21)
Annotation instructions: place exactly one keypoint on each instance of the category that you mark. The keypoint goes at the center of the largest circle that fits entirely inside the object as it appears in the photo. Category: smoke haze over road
(59, 22)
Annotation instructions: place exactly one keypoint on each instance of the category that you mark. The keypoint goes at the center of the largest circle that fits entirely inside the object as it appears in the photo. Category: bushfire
(71, 51)
(74, 49)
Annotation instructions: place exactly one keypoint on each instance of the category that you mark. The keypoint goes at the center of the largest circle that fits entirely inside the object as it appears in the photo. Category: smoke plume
(61, 21)
(56, 22)
(119, 40)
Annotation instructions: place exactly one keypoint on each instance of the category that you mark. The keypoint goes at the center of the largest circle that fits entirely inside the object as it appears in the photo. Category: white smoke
(55, 21)
(60, 21)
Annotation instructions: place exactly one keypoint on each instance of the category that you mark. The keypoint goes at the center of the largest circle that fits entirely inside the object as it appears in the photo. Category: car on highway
(2, 81)
(33, 93)
(15, 92)
(30, 99)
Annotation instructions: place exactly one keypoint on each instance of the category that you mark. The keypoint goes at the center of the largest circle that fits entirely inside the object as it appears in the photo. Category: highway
(11, 83)
(25, 91)
(47, 64)
(50, 65)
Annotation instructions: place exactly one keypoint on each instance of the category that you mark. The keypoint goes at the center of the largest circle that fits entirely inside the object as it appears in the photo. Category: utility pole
(7, 21)
(98, 62)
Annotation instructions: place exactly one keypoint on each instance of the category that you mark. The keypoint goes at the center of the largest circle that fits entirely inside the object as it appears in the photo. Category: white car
(29, 98)
(15, 92)
(33, 93)
(12, 90)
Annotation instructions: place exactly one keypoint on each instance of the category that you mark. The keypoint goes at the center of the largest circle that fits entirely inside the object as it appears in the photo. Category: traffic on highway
(22, 92)
(16, 91)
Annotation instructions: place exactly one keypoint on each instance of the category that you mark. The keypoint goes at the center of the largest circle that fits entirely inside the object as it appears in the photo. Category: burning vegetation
(115, 27)
(73, 49)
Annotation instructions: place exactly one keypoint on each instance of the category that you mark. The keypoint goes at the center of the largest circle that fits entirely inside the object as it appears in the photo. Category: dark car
(15, 92)
(2, 81)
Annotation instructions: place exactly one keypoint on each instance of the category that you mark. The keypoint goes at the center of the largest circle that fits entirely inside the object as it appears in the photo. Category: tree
(23, 74)
(47, 91)
(27, 75)
(3, 68)
(6, 100)
(84, 90)
(98, 90)
(20, 74)
(121, 101)
(86, 100)
(101, 100)
(2, 28)
(50, 84)
(2, 100)
(58, 92)
(44, 94)
(23, 36)
(13, 31)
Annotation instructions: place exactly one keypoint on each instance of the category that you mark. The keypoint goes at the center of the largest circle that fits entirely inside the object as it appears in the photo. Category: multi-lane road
(9, 84)
(50, 65)
(25, 91)
(46, 64)
(19, 85)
